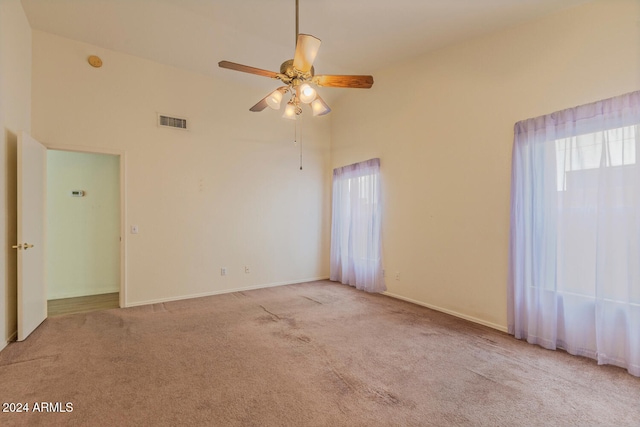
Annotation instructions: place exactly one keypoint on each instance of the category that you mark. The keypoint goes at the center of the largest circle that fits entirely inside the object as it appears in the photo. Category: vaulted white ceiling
(358, 36)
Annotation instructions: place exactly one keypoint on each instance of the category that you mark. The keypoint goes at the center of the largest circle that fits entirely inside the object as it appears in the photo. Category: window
(574, 280)
(596, 179)
(356, 257)
(614, 148)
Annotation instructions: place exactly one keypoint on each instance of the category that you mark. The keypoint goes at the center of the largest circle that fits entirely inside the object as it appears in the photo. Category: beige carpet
(313, 354)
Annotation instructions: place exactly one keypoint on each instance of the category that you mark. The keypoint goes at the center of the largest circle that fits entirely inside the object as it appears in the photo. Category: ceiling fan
(299, 77)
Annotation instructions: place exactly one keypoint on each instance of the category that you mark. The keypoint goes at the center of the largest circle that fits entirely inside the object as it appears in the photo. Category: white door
(32, 295)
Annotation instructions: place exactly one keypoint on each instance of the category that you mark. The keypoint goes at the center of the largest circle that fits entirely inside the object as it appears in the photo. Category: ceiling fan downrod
(297, 15)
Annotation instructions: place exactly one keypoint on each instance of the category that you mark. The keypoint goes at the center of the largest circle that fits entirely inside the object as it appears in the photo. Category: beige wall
(443, 128)
(227, 193)
(15, 115)
(83, 233)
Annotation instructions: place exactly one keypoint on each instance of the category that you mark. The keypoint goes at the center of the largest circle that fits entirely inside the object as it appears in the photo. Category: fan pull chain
(300, 144)
(297, 133)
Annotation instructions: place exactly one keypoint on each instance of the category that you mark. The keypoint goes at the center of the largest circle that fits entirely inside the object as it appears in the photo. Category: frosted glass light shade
(307, 93)
(274, 99)
(289, 111)
(319, 107)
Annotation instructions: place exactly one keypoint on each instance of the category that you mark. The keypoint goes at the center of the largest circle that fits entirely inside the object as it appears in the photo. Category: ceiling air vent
(172, 122)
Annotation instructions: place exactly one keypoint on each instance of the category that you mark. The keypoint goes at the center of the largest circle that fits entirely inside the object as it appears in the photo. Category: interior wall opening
(83, 271)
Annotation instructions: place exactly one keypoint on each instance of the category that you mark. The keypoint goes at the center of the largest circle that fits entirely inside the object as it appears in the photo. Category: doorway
(83, 217)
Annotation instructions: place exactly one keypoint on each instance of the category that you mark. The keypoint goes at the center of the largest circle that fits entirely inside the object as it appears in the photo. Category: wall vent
(172, 122)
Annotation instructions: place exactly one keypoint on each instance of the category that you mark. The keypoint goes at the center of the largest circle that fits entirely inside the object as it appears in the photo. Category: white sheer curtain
(356, 254)
(574, 279)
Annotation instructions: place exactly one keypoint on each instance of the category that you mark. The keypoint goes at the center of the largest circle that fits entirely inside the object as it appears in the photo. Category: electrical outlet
(384, 273)
(223, 271)
(246, 269)
(397, 275)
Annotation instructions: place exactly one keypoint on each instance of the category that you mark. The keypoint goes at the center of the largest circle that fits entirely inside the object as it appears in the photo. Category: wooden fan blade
(247, 69)
(361, 82)
(261, 105)
(306, 51)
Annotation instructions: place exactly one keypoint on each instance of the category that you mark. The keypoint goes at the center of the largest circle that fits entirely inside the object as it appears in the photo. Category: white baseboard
(84, 292)
(224, 291)
(450, 312)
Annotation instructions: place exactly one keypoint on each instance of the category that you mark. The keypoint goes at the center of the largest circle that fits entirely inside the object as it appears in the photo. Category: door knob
(18, 246)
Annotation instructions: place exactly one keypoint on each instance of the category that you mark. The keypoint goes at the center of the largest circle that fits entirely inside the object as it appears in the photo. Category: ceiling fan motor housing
(290, 71)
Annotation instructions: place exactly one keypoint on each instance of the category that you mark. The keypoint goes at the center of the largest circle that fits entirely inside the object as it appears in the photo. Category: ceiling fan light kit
(319, 107)
(274, 99)
(306, 93)
(291, 110)
(298, 75)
